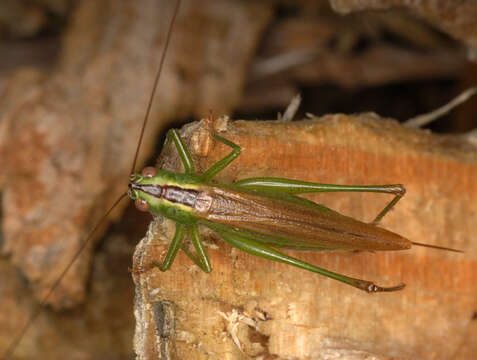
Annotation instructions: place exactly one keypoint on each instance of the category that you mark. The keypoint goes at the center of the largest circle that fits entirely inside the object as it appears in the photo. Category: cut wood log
(251, 306)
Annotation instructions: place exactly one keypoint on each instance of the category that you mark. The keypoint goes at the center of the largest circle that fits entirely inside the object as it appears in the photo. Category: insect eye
(141, 205)
(149, 172)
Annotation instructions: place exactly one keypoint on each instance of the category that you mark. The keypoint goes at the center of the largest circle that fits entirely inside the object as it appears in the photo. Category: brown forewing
(307, 226)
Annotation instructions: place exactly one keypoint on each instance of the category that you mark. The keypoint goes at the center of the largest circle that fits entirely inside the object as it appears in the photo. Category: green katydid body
(293, 222)
(258, 215)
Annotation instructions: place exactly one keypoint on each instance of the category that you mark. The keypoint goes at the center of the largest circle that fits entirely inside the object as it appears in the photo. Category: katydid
(260, 215)
(256, 215)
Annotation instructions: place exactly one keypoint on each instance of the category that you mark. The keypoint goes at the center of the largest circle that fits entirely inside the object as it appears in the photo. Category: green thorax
(166, 193)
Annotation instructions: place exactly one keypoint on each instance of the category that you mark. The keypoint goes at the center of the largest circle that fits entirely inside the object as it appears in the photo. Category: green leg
(176, 244)
(256, 248)
(293, 187)
(222, 164)
(184, 154)
(201, 260)
(199, 248)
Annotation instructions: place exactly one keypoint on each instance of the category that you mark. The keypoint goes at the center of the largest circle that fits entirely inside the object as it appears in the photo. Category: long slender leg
(176, 244)
(194, 258)
(202, 260)
(223, 163)
(184, 154)
(255, 248)
(199, 248)
(289, 186)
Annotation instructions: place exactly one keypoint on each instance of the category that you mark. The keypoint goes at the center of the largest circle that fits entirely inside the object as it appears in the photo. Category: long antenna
(16, 340)
(13, 345)
(154, 87)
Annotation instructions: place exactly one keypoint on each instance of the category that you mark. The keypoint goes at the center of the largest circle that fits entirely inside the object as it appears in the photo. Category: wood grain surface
(278, 312)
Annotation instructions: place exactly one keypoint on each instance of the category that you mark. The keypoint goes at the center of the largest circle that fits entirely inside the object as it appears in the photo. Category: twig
(424, 119)
(291, 109)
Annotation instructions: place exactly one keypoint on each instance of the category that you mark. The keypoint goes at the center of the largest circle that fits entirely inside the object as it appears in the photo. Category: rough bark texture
(270, 313)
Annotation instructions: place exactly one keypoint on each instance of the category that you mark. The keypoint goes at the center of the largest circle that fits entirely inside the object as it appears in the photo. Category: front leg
(223, 163)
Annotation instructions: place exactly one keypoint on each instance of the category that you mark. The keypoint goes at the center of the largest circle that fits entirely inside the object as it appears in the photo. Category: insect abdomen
(306, 225)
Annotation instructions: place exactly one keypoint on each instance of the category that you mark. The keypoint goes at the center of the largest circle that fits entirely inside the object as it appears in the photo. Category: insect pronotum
(256, 215)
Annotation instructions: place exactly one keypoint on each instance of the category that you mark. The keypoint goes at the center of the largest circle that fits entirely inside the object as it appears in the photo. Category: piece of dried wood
(274, 311)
